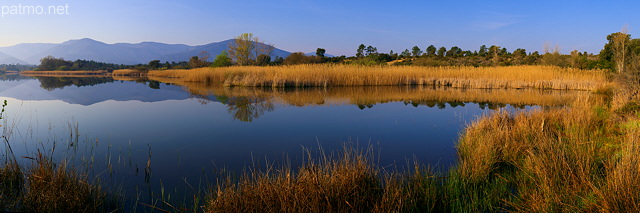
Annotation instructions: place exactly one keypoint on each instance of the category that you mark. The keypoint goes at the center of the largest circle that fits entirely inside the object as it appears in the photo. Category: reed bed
(424, 95)
(324, 75)
(128, 72)
(65, 73)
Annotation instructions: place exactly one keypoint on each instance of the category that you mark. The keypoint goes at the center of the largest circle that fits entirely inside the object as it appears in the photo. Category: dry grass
(621, 190)
(346, 182)
(11, 183)
(557, 160)
(46, 187)
(324, 75)
(128, 72)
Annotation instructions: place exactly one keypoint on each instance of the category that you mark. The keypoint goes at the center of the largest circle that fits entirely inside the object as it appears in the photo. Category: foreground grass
(348, 181)
(583, 158)
(324, 75)
(47, 187)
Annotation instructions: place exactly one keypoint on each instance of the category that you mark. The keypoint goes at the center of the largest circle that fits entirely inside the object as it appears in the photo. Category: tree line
(619, 54)
(15, 67)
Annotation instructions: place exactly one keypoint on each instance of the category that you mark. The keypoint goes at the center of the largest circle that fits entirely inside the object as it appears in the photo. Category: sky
(337, 26)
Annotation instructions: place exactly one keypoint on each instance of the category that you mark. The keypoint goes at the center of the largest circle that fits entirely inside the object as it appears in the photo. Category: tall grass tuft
(47, 187)
(621, 190)
(550, 160)
(347, 181)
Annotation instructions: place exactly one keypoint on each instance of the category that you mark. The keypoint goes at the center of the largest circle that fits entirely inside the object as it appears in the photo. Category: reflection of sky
(189, 137)
(189, 127)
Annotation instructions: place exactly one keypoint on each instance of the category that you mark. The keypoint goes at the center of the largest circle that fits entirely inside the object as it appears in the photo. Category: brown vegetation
(324, 75)
(47, 187)
(348, 181)
(576, 159)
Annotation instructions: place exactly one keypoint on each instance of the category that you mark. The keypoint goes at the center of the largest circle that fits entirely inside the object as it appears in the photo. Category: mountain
(118, 53)
(32, 89)
(314, 53)
(212, 48)
(24, 51)
(7, 59)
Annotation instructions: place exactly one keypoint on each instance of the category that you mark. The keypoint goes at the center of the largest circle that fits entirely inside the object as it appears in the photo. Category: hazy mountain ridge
(118, 53)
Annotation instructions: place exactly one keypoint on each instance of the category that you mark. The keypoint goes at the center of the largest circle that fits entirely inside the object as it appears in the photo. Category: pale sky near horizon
(337, 26)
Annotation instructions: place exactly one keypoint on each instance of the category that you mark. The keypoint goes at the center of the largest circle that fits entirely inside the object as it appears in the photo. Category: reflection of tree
(248, 108)
(154, 84)
(52, 83)
(4, 77)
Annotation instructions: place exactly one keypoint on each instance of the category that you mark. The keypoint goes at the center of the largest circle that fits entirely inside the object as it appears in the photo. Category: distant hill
(314, 53)
(118, 53)
(7, 59)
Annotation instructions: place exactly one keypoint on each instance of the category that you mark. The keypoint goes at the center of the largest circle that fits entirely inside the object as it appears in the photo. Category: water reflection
(52, 83)
(250, 103)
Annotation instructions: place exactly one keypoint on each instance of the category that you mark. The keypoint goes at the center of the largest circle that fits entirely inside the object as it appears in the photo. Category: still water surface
(188, 132)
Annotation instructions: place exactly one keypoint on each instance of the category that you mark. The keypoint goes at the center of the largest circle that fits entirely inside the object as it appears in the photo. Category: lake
(187, 132)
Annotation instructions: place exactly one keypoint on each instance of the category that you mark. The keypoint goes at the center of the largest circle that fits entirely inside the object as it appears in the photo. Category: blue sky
(337, 26)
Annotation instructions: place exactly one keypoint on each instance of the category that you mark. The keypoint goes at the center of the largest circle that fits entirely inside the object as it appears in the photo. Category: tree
(442, 51)
(222, 60)
(416, 51)
(519, 53)
(154, 65)
(204, 56)
(455, 51)
(200, 60)
(494, 52)
(296, 58)
(578, 60)
(245, 48)
(405, 53)
(431, 50)
(619, 43)
(320, 52)
(552, 57)
(360, 52)
(51, 63)
(263, 60)
(483, 50)
(371, 50)
(194, 62)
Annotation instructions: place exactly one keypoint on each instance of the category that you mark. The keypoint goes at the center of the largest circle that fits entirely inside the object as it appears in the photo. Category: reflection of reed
(422, 95)
(74, 74)
(323, 75)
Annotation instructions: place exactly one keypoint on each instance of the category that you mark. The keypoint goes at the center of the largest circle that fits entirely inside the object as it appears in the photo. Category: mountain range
(118, 53)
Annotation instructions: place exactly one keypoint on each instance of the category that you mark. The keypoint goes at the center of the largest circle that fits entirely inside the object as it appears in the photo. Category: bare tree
(620, 41)
(246, 48)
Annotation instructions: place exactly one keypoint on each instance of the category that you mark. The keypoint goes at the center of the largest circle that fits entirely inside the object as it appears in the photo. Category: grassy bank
(324, 75)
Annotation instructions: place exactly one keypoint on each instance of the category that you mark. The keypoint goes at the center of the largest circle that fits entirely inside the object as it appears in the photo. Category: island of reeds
(584, 157)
